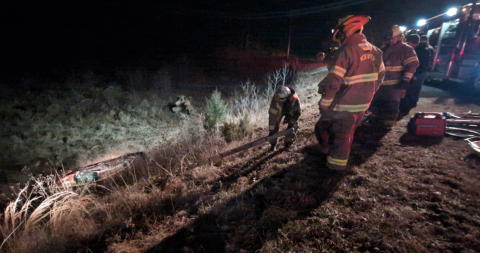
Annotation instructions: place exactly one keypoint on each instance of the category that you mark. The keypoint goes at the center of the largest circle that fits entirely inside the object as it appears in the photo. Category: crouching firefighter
(285, 103)
(347, 91)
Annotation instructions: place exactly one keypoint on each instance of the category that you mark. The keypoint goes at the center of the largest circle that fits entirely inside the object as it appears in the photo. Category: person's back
(347, 91)
(360, 79)
(401, 63)
(425, 54)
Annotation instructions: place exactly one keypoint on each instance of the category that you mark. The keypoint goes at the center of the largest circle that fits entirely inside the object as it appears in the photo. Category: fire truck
(455, 35)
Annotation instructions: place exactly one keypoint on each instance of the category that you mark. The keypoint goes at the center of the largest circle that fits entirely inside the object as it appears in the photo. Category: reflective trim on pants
(338, 131)
(337, 162)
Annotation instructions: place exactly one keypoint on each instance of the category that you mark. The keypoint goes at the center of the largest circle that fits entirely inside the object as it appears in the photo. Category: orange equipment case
(427, 124)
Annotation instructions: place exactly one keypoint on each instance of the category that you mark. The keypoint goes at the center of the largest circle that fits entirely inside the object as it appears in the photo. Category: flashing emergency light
(402, 28)
(421, 22)
(452, 12)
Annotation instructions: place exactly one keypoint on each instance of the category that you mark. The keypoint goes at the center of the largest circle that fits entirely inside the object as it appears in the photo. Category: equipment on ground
(181, 106)
(446, 123)
(462, 125)
(427, 124)
(461, 133)
(474, 143)
(99, 171)
(465, 126)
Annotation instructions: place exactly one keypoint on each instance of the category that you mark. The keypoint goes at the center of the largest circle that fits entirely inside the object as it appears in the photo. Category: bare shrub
(252, 101)
(174, 158)
(281, 77)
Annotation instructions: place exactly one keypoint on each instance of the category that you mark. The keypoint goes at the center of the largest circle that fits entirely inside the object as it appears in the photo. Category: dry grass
(43, 208)
(82, 121)
(150, 202)
(251, 102)
(406, 195)
(396, 201)
(46, 217)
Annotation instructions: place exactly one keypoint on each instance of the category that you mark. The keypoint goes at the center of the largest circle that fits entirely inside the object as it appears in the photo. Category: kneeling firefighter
(285, 102)
(347, 91)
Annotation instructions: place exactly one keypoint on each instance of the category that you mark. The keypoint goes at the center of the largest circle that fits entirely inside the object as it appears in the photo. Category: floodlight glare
(403, 28)
(452, 12)
(421, 22)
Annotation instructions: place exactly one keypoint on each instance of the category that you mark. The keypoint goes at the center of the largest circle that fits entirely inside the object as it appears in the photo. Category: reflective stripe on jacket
(354, 78)
(401, 62)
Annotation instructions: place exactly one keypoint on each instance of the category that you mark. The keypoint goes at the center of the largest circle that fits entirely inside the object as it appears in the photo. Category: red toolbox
(427, 124)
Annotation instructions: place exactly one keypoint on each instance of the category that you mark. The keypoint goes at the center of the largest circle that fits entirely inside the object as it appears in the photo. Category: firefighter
(425, 54)
(347, 90)
(412, 91)
(400, 64)
(285, 103)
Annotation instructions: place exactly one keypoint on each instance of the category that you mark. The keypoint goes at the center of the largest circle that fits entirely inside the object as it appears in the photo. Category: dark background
(42, 37)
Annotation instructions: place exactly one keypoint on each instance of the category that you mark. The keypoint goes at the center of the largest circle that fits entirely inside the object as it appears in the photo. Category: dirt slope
(406, 195)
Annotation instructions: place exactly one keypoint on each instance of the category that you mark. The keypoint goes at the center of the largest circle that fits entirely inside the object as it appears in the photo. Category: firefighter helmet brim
(349, 25)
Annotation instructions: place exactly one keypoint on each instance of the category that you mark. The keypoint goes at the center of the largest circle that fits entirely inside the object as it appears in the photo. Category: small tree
(215, 112)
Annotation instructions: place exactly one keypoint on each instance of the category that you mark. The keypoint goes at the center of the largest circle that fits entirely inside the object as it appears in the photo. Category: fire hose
(462, 126)
(463, 133)
(469, 129)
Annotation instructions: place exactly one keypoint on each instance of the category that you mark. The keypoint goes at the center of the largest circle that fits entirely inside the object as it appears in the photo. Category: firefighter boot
(273, 146)
(290, 139)
(317, 149)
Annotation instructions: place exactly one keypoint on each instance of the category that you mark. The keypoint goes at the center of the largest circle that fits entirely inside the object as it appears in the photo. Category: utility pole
(246, 35)
(289, 35)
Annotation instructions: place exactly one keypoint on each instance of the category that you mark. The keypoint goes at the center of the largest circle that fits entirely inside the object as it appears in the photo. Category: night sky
(42, 36)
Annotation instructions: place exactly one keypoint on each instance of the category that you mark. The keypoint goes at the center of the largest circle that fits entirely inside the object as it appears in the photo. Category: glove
(321, 90)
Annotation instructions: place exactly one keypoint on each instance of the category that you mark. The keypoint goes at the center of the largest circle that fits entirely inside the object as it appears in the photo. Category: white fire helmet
(283, 92)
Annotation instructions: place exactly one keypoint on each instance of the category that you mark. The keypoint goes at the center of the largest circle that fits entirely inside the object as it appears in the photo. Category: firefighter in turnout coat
(354, 77)
(401, 63)
(285, 103)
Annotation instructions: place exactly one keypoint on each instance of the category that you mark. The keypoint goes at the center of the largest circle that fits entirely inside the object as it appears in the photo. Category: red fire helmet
(349, 25)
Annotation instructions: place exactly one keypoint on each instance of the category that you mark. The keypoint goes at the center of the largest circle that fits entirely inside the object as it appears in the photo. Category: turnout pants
(386, 104)
(337, 129)
(412, 93)
(289, 138)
